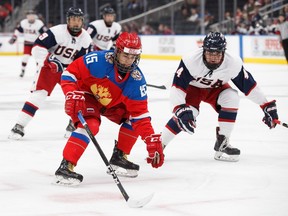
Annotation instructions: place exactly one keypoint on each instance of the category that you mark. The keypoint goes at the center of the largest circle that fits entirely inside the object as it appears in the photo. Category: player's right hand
(184, 118)
(75, 102)
(12, 39)
(53, 64)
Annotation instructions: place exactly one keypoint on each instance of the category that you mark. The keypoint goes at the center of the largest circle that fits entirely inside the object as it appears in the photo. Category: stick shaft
(281, 123)
(104, 158)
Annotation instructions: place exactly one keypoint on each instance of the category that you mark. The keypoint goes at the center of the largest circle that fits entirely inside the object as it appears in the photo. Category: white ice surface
(190, 182)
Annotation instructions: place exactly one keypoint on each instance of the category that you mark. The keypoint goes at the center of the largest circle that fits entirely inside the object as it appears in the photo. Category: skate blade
(224, 157)
(14, 136)
(69, 182)
(119, 171)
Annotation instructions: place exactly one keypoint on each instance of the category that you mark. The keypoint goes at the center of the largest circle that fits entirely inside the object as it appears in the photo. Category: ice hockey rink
(190, 182)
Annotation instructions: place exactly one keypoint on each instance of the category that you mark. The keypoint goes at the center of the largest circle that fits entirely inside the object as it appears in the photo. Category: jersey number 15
(91, 58)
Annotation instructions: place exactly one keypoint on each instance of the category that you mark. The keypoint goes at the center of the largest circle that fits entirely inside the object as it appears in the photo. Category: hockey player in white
(104, 32)
(31, 28)
(53, 51)
(204, 76)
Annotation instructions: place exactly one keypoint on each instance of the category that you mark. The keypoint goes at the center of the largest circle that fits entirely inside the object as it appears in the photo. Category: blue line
(241, 46)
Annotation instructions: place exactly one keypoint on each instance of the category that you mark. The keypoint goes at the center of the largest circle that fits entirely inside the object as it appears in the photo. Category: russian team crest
(136, 75)
(109, 57)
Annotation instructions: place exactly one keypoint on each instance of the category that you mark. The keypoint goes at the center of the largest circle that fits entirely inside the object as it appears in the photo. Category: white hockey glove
(184, 118)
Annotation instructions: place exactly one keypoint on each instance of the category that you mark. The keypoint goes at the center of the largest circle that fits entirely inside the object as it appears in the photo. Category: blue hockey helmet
(108, 10)
(214, 42)
(108, 19)
(74, 12)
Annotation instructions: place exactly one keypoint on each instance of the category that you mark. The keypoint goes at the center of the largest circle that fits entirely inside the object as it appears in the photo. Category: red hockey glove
(155, 150)
(75, 101)
(53, 64)
(185, 119)
(12, 39)
(270, 111)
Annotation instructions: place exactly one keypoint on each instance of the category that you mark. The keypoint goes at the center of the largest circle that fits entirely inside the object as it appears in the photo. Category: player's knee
(93, 125)
(229, 98)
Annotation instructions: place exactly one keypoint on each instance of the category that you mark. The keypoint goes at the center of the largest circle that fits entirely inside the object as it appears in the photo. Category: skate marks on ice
(190, 182)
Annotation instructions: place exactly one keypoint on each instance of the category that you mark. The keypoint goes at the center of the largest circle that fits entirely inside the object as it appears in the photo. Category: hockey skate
(224, 151)
(122, 166)
(66, 176)
(17, 132)
(69, 129)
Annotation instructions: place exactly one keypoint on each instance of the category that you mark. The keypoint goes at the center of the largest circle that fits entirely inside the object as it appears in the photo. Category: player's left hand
(270, 111)
(12, 39)
(54, 65)
(155, 150)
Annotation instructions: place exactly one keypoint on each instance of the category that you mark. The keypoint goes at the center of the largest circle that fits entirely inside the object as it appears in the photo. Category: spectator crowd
(250, 18)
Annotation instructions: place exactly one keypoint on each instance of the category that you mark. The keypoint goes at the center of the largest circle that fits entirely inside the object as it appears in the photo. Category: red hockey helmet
(128, 43)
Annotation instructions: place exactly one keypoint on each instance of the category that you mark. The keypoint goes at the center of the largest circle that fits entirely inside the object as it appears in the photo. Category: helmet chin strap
(74, 33)
(210, 66)
(108, 24)
(121, 75)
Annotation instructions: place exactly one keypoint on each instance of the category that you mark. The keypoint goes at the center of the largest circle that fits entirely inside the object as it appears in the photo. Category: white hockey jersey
(30, 30)
(102, 35)
(61, 44)
(193, 71)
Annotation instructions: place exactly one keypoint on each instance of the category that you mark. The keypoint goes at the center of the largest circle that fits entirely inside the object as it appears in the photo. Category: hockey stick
(157, 86)
(281, 123)
(131, 203)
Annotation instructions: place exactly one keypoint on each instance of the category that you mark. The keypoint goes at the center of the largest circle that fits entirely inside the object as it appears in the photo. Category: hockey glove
(12, 39)
(270, 111)
(53, 64)
(184, 118)
(75, 102)
(155, 150)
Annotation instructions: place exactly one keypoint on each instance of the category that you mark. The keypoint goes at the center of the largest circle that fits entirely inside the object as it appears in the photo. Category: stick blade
(157, 86)
(162, 87)
(140, 202)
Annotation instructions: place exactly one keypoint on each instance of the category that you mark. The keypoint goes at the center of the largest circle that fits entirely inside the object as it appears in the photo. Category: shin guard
(127, 137)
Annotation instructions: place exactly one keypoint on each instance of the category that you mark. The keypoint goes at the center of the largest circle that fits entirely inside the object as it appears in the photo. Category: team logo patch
(109, 57)
(136, 75)
(246, 75)
(102, 94)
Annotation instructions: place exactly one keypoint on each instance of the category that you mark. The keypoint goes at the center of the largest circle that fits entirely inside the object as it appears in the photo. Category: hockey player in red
(110, 84)
(53, 51)
(204, 76)
(104, 33)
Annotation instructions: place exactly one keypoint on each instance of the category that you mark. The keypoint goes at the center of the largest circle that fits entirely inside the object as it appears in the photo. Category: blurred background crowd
(252, 17)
